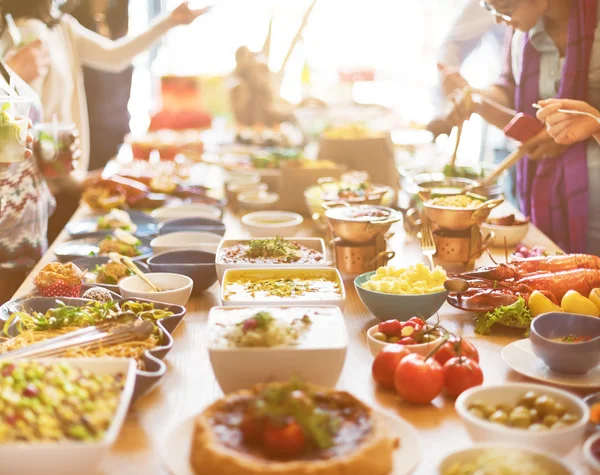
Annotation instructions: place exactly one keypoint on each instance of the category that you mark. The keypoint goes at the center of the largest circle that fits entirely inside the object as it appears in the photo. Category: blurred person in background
(61, 88)
(554, 52)
(107, 93)
(25, 203)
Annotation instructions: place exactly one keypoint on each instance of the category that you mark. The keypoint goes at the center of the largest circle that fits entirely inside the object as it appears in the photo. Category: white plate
(175, 451)
(520, 357)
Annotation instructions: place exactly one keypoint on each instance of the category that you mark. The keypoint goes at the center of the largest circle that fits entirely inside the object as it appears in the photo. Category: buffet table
(189, 384)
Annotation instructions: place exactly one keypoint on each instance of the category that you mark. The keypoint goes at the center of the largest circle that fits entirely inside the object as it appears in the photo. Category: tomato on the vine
(390, 328)
(456, 347)
(417, 380)
(385, 363)
(287, 440)
(417, 320)
(460, 374)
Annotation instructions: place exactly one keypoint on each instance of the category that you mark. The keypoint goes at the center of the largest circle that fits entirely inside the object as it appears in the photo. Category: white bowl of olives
(529, 415)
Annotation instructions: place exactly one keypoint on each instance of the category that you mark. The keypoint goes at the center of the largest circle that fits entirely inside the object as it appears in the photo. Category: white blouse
(72, 46)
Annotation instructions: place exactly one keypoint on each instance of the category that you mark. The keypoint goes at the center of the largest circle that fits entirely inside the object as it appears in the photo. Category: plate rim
(562, 383)
(181, 432)
(150, 221)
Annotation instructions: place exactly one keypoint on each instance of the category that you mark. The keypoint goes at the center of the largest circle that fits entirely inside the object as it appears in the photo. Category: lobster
(495, 286)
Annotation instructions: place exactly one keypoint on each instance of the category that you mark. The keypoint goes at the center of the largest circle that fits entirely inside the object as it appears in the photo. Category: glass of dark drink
(56, 147)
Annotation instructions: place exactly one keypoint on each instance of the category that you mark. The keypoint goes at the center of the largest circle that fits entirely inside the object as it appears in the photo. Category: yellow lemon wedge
(539, 303)
(574, 302)
(595, 298)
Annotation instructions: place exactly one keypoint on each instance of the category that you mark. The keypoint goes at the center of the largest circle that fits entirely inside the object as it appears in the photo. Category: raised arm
(105, 54)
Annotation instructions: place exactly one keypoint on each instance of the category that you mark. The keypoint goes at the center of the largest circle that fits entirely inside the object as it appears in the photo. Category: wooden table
(189, 384)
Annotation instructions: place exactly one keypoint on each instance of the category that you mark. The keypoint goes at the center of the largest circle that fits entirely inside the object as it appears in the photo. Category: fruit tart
(290, 428)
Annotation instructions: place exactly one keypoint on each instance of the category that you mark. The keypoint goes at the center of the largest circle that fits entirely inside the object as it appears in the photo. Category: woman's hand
(183, 15)
(461, 106)
(543, 146)
(30, 62)
(452, 80)
(29, 141)
(568, 128)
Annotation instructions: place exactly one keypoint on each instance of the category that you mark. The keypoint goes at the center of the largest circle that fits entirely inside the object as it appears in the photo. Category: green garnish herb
(279, 287)
(516, 315)
(272, 248)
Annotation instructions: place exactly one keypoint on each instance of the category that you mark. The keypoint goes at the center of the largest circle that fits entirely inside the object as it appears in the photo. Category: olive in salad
(534, 412)
(415, 331)
(52, 402)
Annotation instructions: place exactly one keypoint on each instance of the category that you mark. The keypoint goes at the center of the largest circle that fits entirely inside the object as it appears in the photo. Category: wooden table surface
(189, 384)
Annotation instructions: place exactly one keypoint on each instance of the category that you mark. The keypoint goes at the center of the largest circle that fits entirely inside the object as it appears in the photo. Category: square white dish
(311, 243)
(317, 358)
(72, 457)
(309, 299)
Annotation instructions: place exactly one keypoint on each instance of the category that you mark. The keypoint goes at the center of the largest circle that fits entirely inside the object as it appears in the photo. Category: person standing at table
(554, 52)
(26, 204)
(107, 93)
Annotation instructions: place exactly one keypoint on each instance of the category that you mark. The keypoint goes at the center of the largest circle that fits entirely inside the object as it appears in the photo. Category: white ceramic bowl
(71, 457)
(375, 346)
(311, 243)
(178, 288)
(272, 223)
(242, 178)
(195, 240)
(559, 441)
(513, 234)
(318, 358)
(189, 210)
(550, 463)
(592, 462)
(305, 300)
(257, 199)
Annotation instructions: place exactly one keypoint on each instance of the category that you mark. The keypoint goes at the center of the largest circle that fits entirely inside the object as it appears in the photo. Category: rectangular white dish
(318, 357)
(232, 293)
(72, 457)
(316, 244)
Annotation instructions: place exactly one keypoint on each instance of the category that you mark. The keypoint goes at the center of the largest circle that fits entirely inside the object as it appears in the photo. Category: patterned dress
(25, 202)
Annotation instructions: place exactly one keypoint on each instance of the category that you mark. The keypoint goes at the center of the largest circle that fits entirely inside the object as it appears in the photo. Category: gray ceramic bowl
(399, 307)
(573, 358)
(197, 265)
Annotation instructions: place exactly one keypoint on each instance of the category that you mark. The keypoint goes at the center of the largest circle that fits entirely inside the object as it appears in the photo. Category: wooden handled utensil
(133, 268)
(459, 130)
(507, 163)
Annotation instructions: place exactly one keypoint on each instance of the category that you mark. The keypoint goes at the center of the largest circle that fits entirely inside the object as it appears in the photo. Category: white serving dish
(375, 346)
(559, 441)
(307, 300)
(318, 358)
(72, 457)
(180, 288)
(282, 223)
(592, 462)
(512, 235)
(549, 462)
(189, 210)
(257, 199)
(312, 243)
(195, 240)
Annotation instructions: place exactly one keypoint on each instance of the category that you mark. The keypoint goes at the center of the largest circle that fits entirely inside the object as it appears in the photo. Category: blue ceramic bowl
(398, 307)
(197, 265)
(192, 224)
(574, 358)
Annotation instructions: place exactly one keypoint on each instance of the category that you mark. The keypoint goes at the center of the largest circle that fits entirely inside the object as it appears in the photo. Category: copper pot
(358, 231)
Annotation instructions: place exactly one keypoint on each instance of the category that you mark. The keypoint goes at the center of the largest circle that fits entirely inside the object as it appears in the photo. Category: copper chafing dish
(455, 218)
(359, 223)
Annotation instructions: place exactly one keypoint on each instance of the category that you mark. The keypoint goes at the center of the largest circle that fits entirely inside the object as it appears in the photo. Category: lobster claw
(498, 272)
(481, 301)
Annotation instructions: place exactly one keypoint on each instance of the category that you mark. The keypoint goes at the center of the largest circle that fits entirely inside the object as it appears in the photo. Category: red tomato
(415, 325)
(407, 340)
(452, 348)
(385, 363)
(419, 381)
(390, 328)
(461, 374)
(417, 320)
(287, 440)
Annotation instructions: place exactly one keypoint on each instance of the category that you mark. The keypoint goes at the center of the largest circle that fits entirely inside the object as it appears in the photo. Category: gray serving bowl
(197, 265)
(572, 358)
(155, 367)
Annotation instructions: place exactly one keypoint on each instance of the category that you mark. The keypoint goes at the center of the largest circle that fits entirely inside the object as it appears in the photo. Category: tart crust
(373, 456)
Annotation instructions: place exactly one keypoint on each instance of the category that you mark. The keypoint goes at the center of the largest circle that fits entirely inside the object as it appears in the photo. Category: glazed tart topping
(292, 421)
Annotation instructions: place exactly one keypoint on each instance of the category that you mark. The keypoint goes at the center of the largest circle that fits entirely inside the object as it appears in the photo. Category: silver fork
(427, 242)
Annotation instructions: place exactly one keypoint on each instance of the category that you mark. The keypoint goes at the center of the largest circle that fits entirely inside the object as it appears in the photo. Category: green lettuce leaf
(516, 315)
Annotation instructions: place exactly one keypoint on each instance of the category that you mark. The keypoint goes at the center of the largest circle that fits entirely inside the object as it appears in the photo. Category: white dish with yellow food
(250, 345)
(290, 286)
(503, 458)
(402, 293)
(270, 253)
